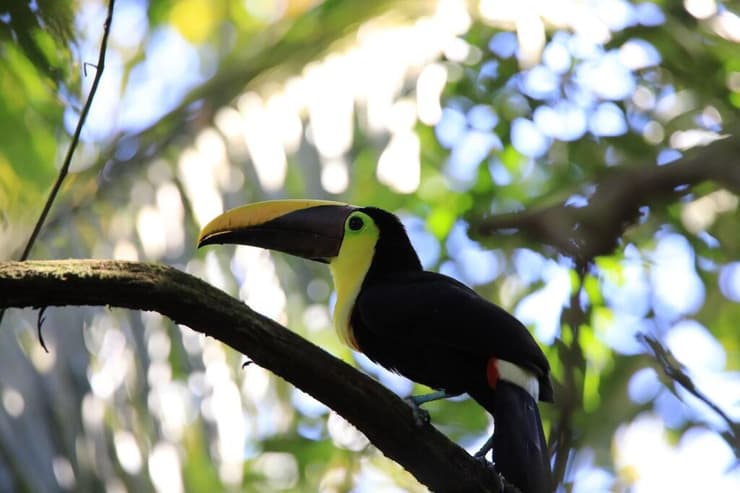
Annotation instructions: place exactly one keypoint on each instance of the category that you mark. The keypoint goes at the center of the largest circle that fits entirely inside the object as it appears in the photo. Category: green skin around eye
(356, 223)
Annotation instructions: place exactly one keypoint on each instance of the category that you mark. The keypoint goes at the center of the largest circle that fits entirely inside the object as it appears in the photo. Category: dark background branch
(595, 229)
(674, 370)
(384, 418)
(570, 390)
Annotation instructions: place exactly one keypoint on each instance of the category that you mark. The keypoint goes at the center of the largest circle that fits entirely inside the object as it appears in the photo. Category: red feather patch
(492, 372)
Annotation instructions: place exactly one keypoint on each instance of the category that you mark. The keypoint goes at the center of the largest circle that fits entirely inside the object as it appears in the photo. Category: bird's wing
(425, 306)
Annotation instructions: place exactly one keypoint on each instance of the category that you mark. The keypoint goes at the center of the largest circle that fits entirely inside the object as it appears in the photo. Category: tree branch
(594, 229)
(75, 136)
(674, 370)
(570, 391)
(384, 418)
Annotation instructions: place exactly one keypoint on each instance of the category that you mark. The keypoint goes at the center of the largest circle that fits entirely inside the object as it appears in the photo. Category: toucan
(426, 326)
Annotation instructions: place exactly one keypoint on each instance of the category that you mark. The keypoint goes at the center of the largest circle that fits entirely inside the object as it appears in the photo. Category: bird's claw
(501, 481)
(421, 416)
(482, 459)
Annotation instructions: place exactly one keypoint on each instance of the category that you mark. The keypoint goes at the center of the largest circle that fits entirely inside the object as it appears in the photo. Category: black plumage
(436, 331)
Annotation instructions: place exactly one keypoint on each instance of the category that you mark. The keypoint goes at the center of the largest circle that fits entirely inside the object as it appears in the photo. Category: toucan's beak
(311, 229)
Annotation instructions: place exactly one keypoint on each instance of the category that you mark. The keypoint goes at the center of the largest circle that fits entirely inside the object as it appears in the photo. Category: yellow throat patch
(348, 270)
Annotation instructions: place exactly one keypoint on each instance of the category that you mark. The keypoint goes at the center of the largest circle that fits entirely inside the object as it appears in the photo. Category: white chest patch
(517, 375)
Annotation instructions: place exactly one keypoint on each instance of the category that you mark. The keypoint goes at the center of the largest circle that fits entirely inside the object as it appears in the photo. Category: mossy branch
(384, 418)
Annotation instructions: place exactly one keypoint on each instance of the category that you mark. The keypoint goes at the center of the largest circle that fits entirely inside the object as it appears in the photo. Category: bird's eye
(356, 223)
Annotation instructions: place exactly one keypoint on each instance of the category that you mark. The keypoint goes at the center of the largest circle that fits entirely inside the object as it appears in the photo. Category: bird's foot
(421, 416)
(415, 401)
(481, 459)
(481, 453)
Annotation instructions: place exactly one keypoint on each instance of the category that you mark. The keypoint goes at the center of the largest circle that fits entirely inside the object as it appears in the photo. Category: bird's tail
(519, 447)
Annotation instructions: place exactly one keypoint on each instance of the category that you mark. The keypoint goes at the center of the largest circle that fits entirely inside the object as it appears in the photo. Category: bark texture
(384, 418)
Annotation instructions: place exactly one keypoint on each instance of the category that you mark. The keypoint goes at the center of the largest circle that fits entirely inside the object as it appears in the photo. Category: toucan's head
(320, 230)
(358, 243)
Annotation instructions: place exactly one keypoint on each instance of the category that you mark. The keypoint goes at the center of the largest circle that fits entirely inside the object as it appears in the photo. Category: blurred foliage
(196, 94)
(36, 74)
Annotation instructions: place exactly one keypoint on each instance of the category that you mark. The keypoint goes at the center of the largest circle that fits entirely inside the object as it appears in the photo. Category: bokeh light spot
(527, 138)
